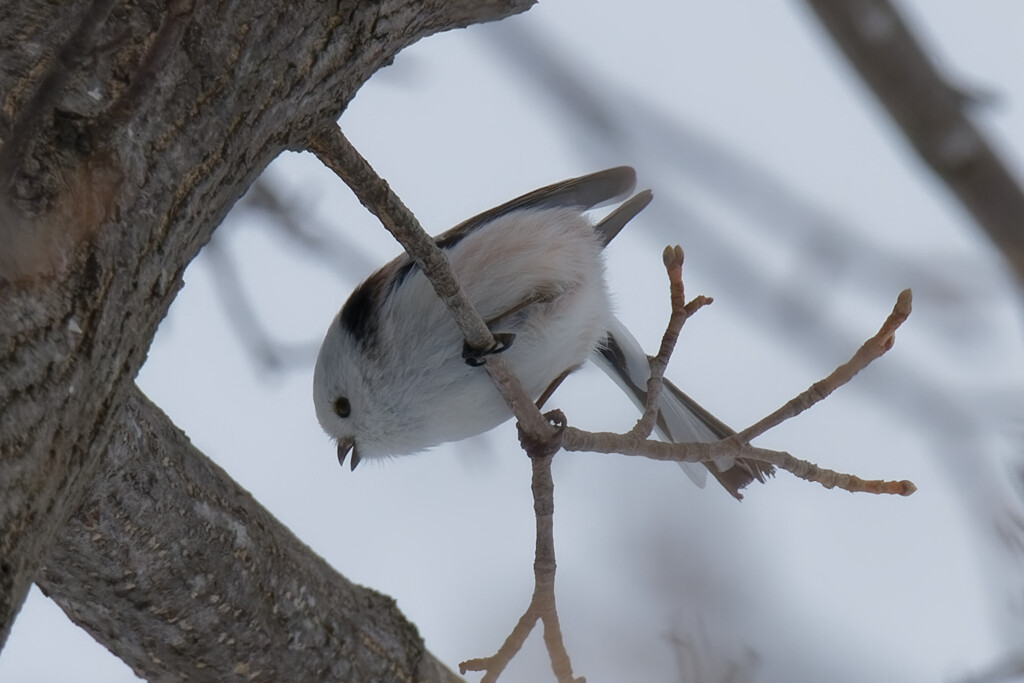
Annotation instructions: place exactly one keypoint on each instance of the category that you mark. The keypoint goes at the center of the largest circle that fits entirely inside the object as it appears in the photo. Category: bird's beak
(344, 446)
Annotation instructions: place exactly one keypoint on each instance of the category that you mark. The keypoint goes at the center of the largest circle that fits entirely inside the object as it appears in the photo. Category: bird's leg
(476, 357)
(541, 296)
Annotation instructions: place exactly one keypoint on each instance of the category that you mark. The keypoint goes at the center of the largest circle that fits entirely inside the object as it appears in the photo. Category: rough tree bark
(128, 130)
(183, 575)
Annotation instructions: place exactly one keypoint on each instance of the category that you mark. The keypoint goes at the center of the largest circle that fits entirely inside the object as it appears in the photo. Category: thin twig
(672, 257)
(540, 439)
(289, 218)
(494, 665)
(544, 565)
(609, 442)
(636, 442)
(337, 153)
(871, 349)
(542, 605)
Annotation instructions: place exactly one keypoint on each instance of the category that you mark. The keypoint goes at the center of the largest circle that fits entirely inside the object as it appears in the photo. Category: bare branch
(636, 442)
(336, 152)
(696, 664)
(290, 217)
(609, 442)
(542, 605)
(871, 349)
(265, 351)
(672, 257)
(539, 438)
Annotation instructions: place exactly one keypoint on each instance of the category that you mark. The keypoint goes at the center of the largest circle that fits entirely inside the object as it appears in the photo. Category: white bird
(391, 377)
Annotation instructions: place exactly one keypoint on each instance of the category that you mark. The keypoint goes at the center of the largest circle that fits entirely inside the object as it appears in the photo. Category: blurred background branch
(932, 113)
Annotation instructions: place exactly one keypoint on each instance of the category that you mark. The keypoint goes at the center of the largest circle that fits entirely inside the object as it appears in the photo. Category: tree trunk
(128, 131)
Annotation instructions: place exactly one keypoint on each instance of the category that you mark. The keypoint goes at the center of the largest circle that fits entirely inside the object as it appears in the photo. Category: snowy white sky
(818, 585)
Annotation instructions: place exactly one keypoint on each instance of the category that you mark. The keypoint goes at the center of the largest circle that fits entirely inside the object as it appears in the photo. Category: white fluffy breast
(415, 389)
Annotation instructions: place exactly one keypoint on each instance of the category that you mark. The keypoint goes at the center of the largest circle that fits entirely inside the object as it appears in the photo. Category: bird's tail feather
(680, 418)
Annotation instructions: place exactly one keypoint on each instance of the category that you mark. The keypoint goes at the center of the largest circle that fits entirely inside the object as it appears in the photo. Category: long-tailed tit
(391, 377)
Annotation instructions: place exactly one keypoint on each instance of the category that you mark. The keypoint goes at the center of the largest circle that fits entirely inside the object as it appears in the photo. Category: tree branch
(542, 605)
(931, 113)
(609, 442)
(672, 257)
(737, 446)
(177, 570)
(871, 349)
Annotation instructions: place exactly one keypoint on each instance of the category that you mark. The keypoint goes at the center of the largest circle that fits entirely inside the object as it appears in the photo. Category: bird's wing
(583, 193)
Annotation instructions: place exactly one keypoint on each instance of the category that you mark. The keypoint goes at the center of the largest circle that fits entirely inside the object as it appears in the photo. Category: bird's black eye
(342, 407)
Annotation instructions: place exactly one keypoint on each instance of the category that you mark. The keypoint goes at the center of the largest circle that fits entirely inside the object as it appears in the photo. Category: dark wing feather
(583, 193)
(613, 223)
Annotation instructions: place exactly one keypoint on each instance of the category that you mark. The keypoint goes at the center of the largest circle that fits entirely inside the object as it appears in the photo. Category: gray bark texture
(127, 131)
(183, 575)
